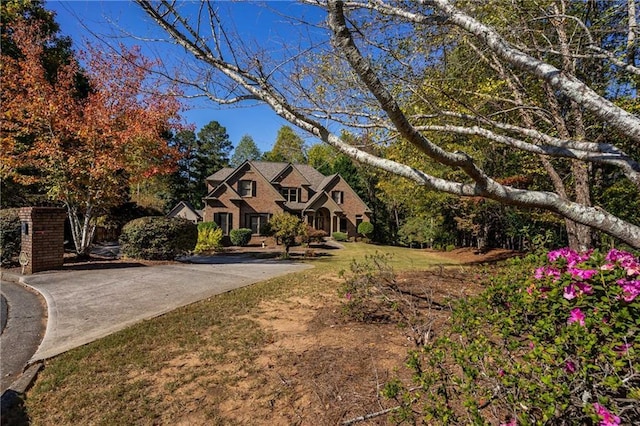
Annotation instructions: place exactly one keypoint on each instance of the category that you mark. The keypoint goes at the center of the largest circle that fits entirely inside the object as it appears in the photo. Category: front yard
(278, 352)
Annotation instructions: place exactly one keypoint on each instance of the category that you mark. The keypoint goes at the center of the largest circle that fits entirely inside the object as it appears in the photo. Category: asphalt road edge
(19, 386)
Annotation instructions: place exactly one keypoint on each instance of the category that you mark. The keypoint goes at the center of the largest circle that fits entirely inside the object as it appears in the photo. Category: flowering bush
(556, 344)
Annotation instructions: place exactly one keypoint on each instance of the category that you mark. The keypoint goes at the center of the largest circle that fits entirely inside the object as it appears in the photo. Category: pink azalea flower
(622, 349)
(569, 292)
(570, 367)
(547, 271)
(583, 274)
(608, 419)
(501, 372)
(348, 296)
(584, 288)
(608, 267)
(512, 422)
(557, 254)
(576, 315)
(614, 255)
(630, 289)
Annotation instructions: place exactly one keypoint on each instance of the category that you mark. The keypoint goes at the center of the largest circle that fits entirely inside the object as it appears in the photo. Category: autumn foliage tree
(86, 149)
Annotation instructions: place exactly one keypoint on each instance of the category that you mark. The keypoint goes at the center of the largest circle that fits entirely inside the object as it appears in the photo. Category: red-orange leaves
(86, 148)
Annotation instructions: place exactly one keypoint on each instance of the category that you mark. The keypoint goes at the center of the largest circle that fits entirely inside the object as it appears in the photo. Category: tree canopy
(84, 148)
(246, 150)
(288, 147)
(547, 104)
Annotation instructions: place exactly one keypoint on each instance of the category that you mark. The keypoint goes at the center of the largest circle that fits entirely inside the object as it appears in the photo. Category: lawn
(277, 352)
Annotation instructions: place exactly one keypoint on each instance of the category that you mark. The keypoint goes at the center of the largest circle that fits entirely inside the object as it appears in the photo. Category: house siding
(352, 206)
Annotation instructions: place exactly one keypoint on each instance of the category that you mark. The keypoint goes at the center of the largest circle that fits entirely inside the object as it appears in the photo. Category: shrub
(287, 227)
(556, 344)
(315, 235)
(209, 237)
(340, 236)
(158, 238)
(10, 238)
(265, 230)
(366, 229)
(240, 237)
(208, 226)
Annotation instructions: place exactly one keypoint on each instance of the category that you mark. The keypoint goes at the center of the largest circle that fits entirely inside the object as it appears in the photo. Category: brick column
(43, 237)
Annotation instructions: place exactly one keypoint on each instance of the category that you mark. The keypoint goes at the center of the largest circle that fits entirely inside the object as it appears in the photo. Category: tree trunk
(82, 231)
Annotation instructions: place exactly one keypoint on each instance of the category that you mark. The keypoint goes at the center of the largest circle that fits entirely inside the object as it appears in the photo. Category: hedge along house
(247, 196)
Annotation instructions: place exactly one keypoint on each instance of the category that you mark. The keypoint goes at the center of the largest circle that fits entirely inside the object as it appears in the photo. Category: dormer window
(291, 195)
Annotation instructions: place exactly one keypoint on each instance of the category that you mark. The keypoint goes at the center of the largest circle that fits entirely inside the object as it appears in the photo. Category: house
(247, 196)
(185, 210)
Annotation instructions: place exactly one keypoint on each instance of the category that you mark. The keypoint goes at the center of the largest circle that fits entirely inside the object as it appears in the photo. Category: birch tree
(86, 150)
(361, 46)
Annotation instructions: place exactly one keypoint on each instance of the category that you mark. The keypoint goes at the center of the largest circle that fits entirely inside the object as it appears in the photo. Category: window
(224, 222)
(343, 224)
(338, 196)
(246, 188)
(256, 221)
(358, 220)
(292, 195)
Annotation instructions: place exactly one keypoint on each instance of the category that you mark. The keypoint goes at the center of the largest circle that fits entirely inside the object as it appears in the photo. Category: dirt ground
(323, 368)
(312, 364)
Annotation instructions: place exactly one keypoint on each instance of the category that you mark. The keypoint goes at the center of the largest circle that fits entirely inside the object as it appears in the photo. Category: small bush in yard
(287, 228)
(365, 229)
(555, 343)
(315, 235)
(209, 237)
(10, 237)
(158, 238)
(240, 237)
(340, 236)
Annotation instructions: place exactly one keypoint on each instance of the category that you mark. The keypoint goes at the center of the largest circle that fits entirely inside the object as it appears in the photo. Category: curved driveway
(85, 305)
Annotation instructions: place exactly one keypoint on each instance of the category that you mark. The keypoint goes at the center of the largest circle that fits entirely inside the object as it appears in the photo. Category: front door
(321, 219)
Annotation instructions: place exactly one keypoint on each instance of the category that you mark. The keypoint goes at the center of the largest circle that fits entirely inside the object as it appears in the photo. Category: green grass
(108, 381)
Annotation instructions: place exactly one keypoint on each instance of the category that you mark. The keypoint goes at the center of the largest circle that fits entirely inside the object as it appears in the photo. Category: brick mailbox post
(42, 238)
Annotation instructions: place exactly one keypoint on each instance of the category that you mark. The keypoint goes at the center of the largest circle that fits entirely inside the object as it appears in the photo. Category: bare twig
(370, 416)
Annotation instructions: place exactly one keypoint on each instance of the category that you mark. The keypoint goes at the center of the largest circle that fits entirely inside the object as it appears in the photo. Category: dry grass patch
(280, 352)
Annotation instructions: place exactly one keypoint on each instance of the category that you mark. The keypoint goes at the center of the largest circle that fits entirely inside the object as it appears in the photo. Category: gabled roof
(322, 199)
(234, 194)
(291, 167)
(184, 204)
(326, 182)
(312, 175)
(270, 171)
(221, 174)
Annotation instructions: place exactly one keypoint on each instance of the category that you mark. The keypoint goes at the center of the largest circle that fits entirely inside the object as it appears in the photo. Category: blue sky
(111, 20)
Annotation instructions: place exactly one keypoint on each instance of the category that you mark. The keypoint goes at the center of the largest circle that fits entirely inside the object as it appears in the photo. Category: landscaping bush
(287, 228)
(365, 229)
(10, 238)
(158, 238)
(240, 237)
(209, 237)
(555, 343)
(265, 230)
(315, 235)
(208, 226)
(340, 236)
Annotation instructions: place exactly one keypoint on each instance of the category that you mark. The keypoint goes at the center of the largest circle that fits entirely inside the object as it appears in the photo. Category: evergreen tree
(246, 150)
(210, 155)
(289, 147)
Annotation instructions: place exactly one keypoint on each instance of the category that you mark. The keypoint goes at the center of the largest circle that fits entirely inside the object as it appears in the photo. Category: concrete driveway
(85, 305)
